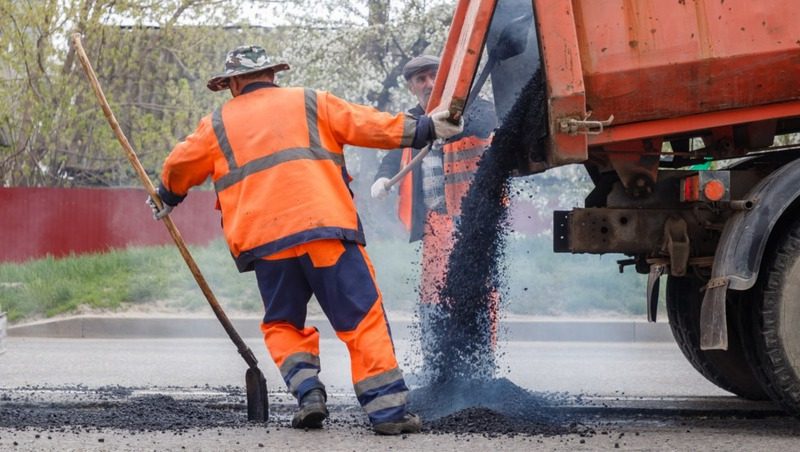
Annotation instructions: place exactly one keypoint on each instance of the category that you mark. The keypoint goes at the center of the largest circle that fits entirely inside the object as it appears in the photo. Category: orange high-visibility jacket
(275, 156)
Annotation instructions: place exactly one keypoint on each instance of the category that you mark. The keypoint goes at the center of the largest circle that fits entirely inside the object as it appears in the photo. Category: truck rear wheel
(775, 320)
(728, 369)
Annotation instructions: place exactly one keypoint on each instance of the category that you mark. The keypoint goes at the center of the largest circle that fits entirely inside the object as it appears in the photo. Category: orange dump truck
(685, 114)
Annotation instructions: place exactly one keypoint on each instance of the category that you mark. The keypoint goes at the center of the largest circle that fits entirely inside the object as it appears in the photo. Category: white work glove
(378, 190)
(443, 128)
(158, 213)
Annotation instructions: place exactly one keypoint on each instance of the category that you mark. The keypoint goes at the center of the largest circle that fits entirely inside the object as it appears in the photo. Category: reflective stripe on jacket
(276, 158)
(460, 163)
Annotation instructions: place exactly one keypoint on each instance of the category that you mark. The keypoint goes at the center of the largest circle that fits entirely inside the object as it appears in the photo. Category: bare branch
(185, 71)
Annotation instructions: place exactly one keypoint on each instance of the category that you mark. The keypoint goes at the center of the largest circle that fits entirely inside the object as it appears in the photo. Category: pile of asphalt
(492, 407)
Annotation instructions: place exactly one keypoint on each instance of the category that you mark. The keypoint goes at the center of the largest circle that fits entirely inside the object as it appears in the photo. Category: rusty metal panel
(633, 231)
(37, 222)
(651, 59)
(558, 38)
(629, 231)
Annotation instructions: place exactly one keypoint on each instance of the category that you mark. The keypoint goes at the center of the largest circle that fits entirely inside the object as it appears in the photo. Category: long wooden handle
(404, 170)
(246, 353)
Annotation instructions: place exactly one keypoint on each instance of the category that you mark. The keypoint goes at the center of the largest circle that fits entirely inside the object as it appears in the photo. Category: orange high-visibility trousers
(341, 277)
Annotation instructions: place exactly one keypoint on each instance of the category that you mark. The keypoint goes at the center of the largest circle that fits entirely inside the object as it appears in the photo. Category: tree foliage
(153, 59)
(359, 47)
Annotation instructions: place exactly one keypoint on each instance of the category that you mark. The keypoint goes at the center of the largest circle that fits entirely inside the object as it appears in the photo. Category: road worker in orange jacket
(429, 201)
(275, 156)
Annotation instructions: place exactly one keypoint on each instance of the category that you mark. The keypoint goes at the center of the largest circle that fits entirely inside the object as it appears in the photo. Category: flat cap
(419, 64)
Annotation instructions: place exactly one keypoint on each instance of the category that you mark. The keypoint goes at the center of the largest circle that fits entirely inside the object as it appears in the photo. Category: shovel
(257, 401)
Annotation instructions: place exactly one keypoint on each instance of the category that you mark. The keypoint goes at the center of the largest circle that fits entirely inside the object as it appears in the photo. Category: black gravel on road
(489, 408)
(80, 409)
(77, 408)
(487, 422)
(146, 413)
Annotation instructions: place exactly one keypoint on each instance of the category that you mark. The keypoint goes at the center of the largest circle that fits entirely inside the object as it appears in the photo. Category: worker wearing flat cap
(429, 196)
(275, 156)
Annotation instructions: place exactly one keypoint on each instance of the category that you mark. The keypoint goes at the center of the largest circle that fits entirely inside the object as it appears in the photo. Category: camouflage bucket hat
(243, 60)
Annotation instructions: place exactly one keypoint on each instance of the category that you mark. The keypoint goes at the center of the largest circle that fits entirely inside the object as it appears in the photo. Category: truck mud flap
(741, 248)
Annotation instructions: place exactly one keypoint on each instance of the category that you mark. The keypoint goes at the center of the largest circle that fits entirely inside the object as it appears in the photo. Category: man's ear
(233, 85)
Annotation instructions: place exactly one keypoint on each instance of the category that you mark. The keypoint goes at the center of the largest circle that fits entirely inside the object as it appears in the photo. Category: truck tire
(728, 369)
(775, 321)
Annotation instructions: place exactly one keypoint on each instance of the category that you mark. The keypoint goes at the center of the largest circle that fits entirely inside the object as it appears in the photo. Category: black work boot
(312, 410)
(409, 423)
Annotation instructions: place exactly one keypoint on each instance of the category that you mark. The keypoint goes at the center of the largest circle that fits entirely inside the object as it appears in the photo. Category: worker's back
(289, 174)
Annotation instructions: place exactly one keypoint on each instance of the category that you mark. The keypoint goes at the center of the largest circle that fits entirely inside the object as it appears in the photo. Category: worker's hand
(378, 190)
(158, 213)
(444, 127)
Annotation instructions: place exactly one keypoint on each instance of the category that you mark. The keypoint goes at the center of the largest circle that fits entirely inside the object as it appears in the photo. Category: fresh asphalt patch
(517, 412)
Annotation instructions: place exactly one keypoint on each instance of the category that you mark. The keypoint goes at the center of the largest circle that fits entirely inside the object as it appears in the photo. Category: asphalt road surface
(157, 394)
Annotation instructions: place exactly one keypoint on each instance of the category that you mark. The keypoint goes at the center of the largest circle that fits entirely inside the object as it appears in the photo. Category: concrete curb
(3, 327)
(568, 330)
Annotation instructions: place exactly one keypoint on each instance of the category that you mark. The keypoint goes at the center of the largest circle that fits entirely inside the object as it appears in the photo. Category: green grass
(122, 278)
(538, 282)
(541, 282)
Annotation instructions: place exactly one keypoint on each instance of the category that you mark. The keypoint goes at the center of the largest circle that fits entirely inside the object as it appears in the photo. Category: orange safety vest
(276, 158)
(406, 191)
(461, 159)
(460, 163)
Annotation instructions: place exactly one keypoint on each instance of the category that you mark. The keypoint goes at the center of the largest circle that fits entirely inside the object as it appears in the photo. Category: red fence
(35, 222)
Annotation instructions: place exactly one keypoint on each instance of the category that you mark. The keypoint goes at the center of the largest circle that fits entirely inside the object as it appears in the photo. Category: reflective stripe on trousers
(300, 372)
(383, 396)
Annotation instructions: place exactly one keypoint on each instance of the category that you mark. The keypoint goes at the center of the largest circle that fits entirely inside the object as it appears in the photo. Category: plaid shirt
(433, 179)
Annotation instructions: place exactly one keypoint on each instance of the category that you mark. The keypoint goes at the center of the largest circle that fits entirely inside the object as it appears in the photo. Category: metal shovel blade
(257, 400)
